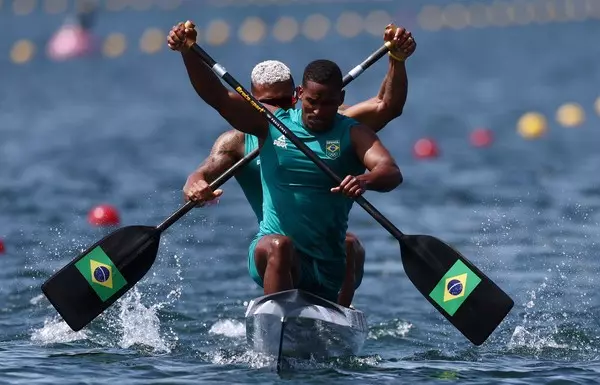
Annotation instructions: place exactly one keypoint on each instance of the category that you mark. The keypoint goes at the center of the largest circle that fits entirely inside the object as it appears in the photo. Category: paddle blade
(471, 301)
(90, 283)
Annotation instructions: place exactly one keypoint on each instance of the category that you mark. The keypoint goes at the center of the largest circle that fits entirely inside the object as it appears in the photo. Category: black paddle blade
(471, 301)
(99, 276)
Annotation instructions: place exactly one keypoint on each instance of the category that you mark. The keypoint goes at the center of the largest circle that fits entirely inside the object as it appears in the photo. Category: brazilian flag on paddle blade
(101, 273)
(455, 287)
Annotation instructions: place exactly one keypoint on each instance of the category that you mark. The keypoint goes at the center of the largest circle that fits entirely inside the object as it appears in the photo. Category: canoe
(295, 323)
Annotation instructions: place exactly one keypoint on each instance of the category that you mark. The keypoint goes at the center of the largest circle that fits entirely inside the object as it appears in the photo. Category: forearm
(394, 89)
(383, 177)
(206, 84)
(210, 170)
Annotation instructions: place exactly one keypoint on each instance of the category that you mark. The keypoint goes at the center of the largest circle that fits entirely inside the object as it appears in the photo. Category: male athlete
(301, 237)
(271, 81)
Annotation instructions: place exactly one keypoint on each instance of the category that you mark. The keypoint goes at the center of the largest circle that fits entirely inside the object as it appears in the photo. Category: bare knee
(280, 247)
(278, 252)
(353, 246)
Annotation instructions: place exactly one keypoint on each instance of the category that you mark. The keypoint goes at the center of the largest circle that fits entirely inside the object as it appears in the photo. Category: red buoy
(425, 148)
(482, 137)
(104, 215)
(2, 249)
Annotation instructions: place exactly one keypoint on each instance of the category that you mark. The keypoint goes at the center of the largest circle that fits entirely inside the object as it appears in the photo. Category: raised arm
(378, 111)
(226, 151)
(230, 105)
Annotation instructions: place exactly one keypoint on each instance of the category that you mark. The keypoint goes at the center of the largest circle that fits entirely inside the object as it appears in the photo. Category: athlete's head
(272, 83)
(321, 94)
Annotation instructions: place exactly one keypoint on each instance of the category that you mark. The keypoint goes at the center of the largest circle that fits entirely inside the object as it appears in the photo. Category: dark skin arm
(384, 174)
(226, 151)
(230, 105)
(389, 103)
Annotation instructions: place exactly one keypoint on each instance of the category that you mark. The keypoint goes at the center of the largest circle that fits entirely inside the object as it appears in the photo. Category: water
(127, 131)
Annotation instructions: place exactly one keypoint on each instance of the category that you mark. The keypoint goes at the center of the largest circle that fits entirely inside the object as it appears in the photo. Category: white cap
(270, 72)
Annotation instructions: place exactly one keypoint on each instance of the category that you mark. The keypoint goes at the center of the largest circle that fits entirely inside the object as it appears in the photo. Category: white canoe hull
(314, 327)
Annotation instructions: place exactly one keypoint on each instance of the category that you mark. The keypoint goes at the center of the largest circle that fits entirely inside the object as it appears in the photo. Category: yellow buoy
(532, 125)
(22, 52)
(285, 29)
(252, 31)
(597, 106)
(217, 32)
(570, 115)
(114, 45)
(152, 40)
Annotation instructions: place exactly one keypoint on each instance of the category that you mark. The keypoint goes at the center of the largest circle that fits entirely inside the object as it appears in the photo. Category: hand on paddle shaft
(352, 186)
(197, 189)
(403, 44)
(182, 36)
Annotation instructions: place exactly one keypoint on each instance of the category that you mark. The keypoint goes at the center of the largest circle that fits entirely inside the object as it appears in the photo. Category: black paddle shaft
(223, 74)
(350, 76)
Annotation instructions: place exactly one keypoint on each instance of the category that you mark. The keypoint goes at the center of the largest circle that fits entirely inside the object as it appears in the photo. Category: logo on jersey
(332, 149)
(280, 142)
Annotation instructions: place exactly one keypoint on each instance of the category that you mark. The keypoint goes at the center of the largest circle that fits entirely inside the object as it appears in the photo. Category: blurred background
(498, 144)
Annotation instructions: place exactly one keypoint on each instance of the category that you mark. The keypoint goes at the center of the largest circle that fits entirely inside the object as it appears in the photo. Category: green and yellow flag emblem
(101, 273)
(332, 149)
(455, 287)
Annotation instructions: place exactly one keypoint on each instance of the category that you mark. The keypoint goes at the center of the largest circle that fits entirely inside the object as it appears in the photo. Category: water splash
(228, 328)
(140, 325)
(391, 329)
(128, 323)
(55, 330)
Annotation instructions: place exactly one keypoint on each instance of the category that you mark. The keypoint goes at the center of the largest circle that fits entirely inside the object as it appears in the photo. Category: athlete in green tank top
(249, 178)
(315, 261)
(272, 83)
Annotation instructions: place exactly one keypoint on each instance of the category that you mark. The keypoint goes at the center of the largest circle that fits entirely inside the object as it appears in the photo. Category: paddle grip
(223, 74)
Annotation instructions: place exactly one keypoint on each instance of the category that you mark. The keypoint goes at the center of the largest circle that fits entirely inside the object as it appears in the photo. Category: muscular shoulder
(361, 133)
(230, 142)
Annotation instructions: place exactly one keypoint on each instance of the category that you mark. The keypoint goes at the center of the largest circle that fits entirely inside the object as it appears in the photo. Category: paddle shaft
(223, 74)
(350, 76)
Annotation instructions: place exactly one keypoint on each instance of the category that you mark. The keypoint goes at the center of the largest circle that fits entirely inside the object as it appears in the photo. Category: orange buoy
(104, 215)
(425, 148)
(482, 137)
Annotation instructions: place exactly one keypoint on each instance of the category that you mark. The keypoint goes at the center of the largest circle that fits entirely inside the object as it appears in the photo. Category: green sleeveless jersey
(248, 177)
(297, 199)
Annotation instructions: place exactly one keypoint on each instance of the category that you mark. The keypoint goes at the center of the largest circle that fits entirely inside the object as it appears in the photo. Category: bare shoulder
(230, 142)
(361, 132)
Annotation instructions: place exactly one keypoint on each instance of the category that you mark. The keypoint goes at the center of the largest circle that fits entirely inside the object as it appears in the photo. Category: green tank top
(297, 199)
(248, 177)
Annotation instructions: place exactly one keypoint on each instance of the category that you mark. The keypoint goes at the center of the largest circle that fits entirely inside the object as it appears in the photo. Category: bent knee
(277, 250)
(353, 245)
(279, 243)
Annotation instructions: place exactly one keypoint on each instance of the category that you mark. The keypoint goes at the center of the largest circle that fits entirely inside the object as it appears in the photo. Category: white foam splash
(396, 329)
(228, 328)
(37, 299)
(54, 331)
(140, 324)
(253, 359)
(521, 337)
(128, 322)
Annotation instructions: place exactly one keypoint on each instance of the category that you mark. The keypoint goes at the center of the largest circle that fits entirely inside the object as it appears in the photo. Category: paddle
(471, 301)
(117, 262)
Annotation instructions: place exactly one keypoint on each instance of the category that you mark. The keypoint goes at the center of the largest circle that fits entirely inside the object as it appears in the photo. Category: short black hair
(323, 72)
